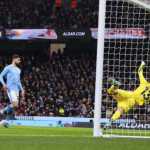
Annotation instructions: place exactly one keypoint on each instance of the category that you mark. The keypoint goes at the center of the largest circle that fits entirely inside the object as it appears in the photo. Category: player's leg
(4, 115)
(140, 73)
(122, 107)
(140, 93)
(14, 99)
(117, 114)
(8, 109)
(4, 123)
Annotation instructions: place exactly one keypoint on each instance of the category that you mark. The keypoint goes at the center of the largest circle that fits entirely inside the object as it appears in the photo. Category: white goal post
(123, 42)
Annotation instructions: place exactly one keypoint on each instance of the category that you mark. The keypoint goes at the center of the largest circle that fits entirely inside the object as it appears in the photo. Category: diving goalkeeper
(129, 99)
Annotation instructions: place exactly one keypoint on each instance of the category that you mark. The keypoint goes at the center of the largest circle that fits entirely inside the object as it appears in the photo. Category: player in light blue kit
(12, 85)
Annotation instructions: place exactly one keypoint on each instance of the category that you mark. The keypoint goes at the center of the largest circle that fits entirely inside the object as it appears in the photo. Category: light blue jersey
(12, 75)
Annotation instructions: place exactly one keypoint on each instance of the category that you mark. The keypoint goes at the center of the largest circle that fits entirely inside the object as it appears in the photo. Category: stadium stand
(44, 13)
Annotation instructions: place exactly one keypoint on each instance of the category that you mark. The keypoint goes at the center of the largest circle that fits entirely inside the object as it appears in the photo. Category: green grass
(29, 138)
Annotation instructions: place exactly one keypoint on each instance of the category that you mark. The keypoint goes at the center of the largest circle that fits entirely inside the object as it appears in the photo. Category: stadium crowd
(44, 13)
(57, 86)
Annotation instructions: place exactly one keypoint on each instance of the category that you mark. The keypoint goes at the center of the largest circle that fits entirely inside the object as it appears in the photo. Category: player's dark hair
(15, 56)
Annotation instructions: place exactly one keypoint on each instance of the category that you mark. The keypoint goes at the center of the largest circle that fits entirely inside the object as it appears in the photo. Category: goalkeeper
(128, 99)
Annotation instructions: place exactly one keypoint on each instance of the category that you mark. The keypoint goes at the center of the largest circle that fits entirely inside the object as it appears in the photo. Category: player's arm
(2, 75)
(113, 90)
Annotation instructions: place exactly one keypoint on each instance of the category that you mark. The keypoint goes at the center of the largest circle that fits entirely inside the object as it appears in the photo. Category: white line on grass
(40, 135)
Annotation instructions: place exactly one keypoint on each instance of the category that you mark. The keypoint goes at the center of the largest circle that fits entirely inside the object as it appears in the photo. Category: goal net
(127, 43)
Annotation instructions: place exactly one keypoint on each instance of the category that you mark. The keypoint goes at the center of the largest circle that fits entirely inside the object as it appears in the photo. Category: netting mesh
(127, 43)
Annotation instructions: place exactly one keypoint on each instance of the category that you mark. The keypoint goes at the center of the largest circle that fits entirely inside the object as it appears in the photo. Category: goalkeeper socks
(116, 116)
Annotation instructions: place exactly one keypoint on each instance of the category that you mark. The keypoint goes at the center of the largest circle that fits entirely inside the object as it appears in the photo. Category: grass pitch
(35, 138)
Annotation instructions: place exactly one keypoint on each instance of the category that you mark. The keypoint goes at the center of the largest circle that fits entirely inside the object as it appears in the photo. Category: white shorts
(13, 95)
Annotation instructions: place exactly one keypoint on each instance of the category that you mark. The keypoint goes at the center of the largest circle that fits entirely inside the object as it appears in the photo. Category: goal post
(123, 42)
(99, 68)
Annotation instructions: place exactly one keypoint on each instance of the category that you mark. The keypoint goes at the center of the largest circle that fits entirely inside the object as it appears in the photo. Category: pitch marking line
(40, 135)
